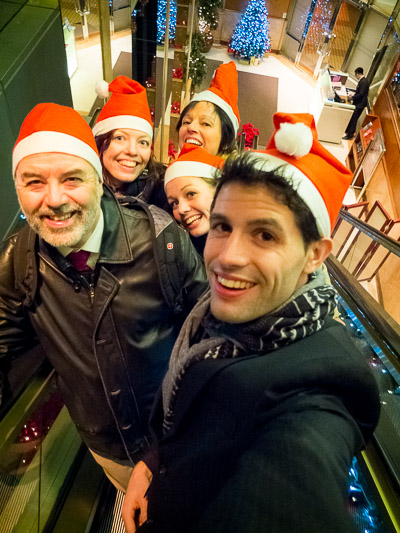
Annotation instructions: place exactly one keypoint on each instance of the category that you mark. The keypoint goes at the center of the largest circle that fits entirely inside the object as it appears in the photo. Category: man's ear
(317, 252)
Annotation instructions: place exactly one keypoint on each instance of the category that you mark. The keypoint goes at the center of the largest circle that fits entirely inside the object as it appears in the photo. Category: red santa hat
(316, 175)
(195, 162)
(126, 108)
(55, 128)
(223, 92)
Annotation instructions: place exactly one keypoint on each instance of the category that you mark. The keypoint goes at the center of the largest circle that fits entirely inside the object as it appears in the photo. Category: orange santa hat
(56, 128)
(127, 107)
(223, 92)
(317, 176)
(193, 161)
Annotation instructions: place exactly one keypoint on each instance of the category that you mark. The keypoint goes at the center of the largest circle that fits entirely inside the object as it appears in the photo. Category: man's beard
(84, 223)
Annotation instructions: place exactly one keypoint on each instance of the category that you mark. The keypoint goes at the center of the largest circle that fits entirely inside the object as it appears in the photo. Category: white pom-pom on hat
(294, 139)
(102, 89)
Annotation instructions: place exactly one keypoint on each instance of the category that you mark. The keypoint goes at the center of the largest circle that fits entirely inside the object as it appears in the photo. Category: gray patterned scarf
(203, 336)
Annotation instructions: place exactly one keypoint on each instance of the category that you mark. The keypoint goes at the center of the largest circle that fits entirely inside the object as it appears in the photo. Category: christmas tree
(161, 15)
(251, 37)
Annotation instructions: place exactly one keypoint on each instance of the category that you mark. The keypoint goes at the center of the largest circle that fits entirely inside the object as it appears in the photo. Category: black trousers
(352, 125)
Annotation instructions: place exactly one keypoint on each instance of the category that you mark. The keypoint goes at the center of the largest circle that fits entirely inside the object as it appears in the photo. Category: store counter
(331, 117)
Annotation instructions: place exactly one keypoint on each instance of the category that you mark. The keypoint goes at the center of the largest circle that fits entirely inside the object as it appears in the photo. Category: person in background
(360, 100)
(211, 119)
(266, 400)
(124, 136)
(83, 279)
(190, 183)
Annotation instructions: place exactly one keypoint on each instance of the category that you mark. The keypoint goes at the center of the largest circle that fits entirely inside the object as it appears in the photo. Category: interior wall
(367, 41)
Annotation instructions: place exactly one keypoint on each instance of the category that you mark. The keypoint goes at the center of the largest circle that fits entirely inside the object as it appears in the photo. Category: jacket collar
(115, 245)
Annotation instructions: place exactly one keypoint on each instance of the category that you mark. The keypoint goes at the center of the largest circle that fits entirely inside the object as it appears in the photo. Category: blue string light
(317, 21)
(309, 18)
(251, 35)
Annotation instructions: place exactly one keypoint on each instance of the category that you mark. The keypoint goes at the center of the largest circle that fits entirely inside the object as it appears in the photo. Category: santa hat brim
(55, 142)
(194, 169)
(123, 121)
(304, 187)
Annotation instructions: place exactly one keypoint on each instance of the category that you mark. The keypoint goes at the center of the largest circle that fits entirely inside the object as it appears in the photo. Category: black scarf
(302, 315)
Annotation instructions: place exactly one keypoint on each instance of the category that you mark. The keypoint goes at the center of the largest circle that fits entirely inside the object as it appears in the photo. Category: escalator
(50, 483)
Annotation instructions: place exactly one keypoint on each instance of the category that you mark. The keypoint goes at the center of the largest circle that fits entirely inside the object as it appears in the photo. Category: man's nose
(233, 251)
(55, 195)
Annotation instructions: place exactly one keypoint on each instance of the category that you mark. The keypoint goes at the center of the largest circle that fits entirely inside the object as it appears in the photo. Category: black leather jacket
(109, 338)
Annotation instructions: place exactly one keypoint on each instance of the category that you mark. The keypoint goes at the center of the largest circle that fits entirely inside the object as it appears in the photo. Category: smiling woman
(124, 133)
(211, 119)
(190, 183)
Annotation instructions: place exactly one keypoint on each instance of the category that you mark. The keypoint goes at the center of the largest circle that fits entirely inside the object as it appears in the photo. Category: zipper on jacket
(88, 283)
(91, 290)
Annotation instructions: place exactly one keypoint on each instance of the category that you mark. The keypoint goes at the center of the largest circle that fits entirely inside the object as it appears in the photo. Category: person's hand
(134, 509)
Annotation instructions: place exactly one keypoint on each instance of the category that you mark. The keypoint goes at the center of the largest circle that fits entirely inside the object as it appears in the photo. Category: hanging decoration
(308, 18)
(317, 22)
(251, 36)
(161, 20)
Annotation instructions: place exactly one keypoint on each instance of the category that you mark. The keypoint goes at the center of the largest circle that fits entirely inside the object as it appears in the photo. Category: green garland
(197, 65)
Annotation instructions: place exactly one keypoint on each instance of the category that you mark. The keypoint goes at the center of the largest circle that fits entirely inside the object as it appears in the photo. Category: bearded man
(84, 280)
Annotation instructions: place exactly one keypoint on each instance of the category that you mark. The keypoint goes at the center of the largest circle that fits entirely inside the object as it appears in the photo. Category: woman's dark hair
(228, 138)
(155, 173)
(242, 170)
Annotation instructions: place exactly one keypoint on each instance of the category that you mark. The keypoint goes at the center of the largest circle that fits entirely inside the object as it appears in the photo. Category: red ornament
(177, 73)
(176, 107)
(171, 150)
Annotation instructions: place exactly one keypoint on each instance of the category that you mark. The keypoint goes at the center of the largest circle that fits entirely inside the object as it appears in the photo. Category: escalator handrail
(94, 116)
(385, 331)
(381, 326)
(14, 419)
(379, 237)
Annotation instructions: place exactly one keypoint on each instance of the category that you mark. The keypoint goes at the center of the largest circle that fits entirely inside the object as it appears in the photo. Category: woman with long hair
(124, 136)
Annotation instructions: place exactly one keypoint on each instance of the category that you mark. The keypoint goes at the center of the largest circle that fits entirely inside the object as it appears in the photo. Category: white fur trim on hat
(294, 139)
(302, 185)
(209, 96)
(195, 169)
(55, 142)
(101, 89)
(123, 121)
